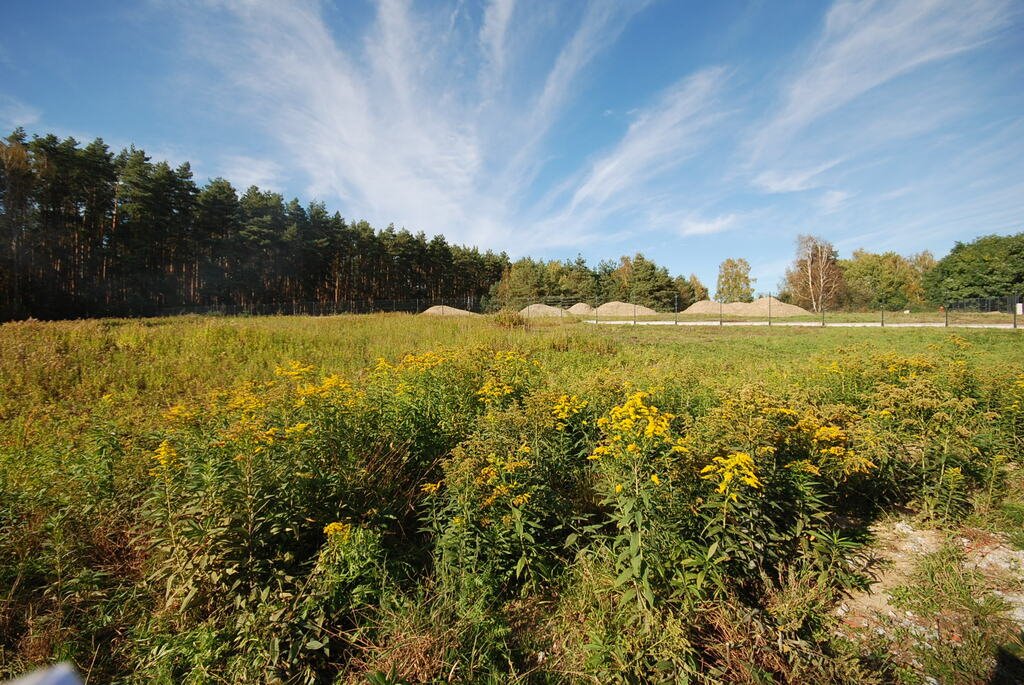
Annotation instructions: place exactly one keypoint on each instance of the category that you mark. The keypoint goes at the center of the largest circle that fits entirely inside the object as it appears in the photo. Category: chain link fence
(658, 307)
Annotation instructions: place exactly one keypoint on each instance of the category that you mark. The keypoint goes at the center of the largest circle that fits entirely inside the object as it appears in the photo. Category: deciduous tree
(814, 280)
(734, 282)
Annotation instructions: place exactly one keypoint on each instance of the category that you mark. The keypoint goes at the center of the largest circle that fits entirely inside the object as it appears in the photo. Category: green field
(395, 498)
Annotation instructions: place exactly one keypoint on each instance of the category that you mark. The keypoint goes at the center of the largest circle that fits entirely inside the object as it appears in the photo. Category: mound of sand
(442, 310)
(702, 307)
(759, 307)
(779, 308)
(541, 310)
(581, 309)
(623, 309)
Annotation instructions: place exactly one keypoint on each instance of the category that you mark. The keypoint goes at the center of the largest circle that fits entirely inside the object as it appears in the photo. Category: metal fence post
(822, 314)
(720, 306)
(883, 317)
(1014, 304)
(769, 309)
(945, 311)
(675, 306)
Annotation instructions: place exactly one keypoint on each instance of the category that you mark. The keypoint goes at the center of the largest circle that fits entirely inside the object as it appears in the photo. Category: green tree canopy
(634, 279)
(991, 266)
(734, 282)
(882, 281)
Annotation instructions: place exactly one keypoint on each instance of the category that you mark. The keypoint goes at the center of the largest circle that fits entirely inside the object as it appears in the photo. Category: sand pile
(541, 310)
(581, 309)
(758, 307)
(702, 307)
(442, 310)
(778, 308)
(623, 309)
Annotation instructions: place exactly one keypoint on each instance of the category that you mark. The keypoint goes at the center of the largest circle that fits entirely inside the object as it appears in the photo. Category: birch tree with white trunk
(815, 280)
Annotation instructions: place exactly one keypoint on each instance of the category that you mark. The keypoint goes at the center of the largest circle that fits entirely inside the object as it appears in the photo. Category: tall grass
(396, 497)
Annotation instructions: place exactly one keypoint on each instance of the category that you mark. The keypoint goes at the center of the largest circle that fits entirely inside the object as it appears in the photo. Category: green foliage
(884, 281)
(734, 282)
(88, 233)
(633, 279)
(990, 266)
(179, 502)
(510, 319)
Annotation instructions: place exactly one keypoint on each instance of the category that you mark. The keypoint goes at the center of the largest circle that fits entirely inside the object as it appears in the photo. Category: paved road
(807, 324)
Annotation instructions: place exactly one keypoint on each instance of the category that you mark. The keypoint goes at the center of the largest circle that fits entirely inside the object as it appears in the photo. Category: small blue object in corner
(61, 674)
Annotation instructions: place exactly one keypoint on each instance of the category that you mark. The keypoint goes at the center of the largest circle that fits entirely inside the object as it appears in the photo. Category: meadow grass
(396, 497)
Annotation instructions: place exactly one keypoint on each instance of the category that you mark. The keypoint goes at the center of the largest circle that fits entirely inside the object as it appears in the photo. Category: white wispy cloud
(779, 181)
(882, 84)
(873, 81)
(493, 37)
(698, 226)
(384, 127)
(244, 171)
(657, 140)
(833, 200)
(866, 44)
(15, 113)
(451, 121)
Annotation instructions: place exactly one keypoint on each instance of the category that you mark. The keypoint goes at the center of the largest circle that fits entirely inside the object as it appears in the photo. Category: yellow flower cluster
(500, 476)
(246, 401)
(636, 427)
(412, 362)
(165, 455)
(422, 362)
(902, 366)
(1015, 402)
(338, 531)
(960, 342)
(296, 429)
(181, 413)
(509, 372)
(738, 466)
(294, 370)
(566, 407)
(521, 499)
(831, 444)
(331, 385)
(506, 356)
(635, 413)
(494, 390)
(805, 466)
(431, 488)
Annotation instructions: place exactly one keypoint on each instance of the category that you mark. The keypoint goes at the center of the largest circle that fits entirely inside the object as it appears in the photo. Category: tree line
(634, 279)
(988, 267)
(89, 232)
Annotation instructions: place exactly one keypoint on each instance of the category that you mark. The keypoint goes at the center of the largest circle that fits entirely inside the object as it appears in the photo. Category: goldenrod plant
(389, 499)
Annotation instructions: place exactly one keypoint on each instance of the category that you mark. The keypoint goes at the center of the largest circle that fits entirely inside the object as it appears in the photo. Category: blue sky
(690, 131)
